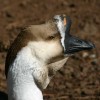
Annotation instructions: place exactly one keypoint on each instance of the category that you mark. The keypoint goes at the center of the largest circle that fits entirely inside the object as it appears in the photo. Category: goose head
(54, 39)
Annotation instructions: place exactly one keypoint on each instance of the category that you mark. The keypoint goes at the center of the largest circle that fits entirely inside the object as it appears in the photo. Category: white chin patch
(61, 28)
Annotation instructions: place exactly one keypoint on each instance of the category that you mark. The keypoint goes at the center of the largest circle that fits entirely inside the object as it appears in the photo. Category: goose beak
(74, 44)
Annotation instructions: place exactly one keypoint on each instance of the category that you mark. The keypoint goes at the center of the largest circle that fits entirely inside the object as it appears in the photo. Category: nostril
(79, 41)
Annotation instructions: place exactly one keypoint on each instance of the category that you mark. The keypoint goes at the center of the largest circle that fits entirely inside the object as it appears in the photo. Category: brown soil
(80, 78)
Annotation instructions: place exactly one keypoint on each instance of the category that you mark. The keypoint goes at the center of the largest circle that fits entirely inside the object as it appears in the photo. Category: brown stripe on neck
(21, 41)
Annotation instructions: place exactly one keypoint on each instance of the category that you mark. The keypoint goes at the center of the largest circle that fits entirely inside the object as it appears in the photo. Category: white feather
(21, 83)
(61, 28)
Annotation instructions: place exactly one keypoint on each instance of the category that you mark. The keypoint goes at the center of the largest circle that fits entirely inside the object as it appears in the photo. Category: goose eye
(51, 37)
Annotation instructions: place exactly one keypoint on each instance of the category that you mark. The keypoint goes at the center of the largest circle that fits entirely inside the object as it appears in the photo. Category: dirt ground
(80, 78)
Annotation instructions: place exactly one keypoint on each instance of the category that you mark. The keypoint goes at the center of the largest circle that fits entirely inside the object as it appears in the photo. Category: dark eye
(51, 37)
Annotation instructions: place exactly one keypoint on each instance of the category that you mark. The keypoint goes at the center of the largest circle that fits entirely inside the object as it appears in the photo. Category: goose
(37, 53)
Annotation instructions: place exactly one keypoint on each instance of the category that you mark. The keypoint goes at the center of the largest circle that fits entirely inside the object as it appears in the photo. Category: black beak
(74, 44)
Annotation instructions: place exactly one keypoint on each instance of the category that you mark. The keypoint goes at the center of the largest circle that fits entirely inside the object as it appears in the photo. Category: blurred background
(80, 78)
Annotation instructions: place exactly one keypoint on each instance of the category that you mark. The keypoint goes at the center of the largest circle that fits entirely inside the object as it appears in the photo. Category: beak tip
(91, 45)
